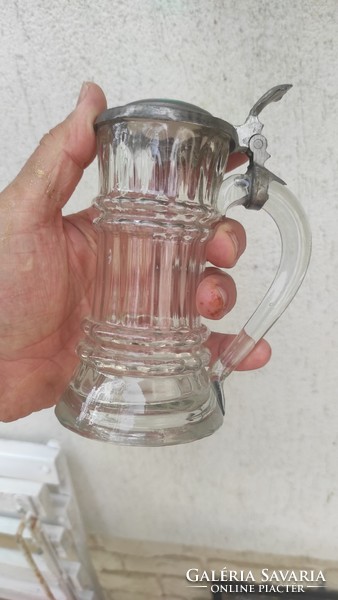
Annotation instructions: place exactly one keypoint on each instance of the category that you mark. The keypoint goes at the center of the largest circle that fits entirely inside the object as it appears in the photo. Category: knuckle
(48, 138)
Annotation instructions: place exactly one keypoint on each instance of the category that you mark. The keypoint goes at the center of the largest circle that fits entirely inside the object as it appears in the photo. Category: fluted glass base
(141, 411)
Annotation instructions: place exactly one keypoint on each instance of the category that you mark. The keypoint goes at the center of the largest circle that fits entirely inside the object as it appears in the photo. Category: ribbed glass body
(143, 373)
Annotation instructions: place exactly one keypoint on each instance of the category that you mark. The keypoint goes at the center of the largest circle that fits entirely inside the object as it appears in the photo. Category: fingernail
(83, 92)
(222, 295)
(217, 302)
(235, 243)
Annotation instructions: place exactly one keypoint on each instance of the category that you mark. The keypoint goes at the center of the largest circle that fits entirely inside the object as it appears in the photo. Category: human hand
(48, 264)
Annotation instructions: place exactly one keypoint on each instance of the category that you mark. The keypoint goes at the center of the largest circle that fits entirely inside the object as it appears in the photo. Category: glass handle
(295, 236)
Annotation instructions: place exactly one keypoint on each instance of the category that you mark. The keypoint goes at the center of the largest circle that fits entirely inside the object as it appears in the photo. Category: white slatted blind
(42, 542)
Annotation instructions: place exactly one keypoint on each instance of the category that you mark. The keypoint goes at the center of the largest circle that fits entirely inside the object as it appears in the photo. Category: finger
(51, 174)
(216, 294)
(235, 160)
(228, 243)
(258, 357)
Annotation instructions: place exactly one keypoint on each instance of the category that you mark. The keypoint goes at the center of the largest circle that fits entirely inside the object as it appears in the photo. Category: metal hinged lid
(168, 110)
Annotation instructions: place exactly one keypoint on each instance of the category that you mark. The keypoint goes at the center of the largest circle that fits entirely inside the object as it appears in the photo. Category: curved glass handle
(295, 235)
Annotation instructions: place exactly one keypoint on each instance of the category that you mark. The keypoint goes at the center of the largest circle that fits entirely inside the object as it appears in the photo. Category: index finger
(227, 244)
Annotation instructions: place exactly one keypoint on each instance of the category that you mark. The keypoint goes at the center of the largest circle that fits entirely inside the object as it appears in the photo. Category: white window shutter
(42, 542)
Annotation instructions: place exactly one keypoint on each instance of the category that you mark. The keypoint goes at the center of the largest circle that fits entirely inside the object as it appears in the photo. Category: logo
(267, 581)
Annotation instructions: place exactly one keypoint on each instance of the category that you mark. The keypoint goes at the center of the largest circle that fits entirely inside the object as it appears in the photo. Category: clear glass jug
(144, 375)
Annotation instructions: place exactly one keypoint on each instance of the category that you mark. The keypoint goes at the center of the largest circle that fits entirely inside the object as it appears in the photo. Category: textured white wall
(268, 480)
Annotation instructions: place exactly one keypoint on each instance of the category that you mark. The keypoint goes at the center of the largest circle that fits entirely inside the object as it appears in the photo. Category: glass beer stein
(145, 376)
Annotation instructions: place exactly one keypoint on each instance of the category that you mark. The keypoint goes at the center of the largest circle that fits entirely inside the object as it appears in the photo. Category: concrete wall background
(268, 480)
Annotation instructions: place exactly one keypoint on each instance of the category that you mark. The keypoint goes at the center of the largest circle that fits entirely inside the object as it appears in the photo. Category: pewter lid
(167, 110)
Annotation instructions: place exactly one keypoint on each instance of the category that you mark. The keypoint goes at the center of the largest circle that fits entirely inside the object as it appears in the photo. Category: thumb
(51, 174)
